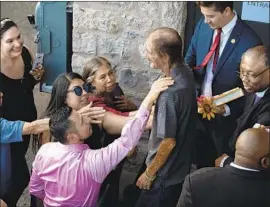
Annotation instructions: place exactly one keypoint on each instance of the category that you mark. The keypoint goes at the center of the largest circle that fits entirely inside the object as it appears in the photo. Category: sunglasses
(78, 90)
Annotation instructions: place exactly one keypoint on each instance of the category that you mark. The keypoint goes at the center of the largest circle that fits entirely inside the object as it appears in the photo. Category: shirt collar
(261, 94)
(175, 71)
(243, 168)
(73, 147)
(228, 27)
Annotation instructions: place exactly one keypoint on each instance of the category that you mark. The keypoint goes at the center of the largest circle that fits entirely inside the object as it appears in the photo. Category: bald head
(167, 41)
(258, 54)
(252, 145)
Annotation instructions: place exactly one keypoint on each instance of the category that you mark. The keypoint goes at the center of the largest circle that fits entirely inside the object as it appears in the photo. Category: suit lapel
(230, 45)
(249, 104)
(251, 100)
(206, 37)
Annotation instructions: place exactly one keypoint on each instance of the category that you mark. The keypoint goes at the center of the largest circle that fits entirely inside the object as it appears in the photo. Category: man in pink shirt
(66, 172)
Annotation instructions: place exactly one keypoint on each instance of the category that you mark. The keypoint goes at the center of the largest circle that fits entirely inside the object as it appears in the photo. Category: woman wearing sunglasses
(70, 89)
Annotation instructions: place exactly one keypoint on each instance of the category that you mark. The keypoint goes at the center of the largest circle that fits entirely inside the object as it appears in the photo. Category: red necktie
(215, 47)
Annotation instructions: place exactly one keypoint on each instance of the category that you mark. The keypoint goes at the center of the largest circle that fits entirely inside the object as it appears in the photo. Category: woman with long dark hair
(70, 90)
(17, 83)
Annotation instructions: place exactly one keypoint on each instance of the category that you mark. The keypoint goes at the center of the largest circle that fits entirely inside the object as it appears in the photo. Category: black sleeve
(167, 115)
(264, 118)
(228, 161)
(186, 195)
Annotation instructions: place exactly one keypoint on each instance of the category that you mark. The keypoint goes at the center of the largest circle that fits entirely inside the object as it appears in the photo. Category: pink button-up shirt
(71, 175)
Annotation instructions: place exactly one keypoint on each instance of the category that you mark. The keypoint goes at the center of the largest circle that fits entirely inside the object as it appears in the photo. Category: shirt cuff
(227, 110)
(223, 160)
(143, 111)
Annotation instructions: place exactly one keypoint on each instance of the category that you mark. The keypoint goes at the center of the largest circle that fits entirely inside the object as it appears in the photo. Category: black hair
(57, 100)
(6, 24)
(219, 5)
(59, 92)
(59, 124)
(169, 42)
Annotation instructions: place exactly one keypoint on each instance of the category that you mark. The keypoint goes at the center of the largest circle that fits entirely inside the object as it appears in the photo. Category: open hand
(94, 113)
(40, 125)
(160, 85)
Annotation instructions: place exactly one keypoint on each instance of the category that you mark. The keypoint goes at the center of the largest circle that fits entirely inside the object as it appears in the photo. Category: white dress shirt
(243, 168)
(261, 94)
(208, 79)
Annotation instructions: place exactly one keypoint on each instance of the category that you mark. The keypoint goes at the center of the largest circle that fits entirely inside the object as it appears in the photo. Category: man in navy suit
(223, 32)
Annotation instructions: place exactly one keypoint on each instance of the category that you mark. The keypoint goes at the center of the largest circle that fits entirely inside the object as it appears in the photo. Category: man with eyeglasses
(255, 75)
(218, 42)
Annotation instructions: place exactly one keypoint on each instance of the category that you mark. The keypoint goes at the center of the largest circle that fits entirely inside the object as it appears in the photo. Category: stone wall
(117, 31)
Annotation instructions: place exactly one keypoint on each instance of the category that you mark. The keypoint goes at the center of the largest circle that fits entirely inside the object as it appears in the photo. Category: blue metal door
(54, 39)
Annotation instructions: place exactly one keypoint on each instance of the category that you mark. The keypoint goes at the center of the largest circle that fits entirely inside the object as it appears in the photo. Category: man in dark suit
(216, 48)
(255, 74)
(246, 182)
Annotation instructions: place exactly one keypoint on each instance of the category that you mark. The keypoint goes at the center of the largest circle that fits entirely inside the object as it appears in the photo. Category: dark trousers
(204, 152)
(132, 192)
(19, 173)
(109, 191)
(160, 196)
(212, 139)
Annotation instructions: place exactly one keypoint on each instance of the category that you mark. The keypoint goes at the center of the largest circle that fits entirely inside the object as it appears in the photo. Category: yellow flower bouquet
(207, 105)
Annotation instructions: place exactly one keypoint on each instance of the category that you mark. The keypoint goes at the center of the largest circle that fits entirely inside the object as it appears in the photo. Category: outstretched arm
(107, 158)
(12, 131)
(36, 127)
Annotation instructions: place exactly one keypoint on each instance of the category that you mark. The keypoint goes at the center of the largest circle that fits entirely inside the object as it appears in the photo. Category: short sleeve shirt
(175, 116)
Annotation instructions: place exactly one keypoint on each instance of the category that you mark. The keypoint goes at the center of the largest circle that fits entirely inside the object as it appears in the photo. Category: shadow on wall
(18, 11)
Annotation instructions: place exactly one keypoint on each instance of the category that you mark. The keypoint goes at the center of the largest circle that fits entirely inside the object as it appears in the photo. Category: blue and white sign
(257, 11)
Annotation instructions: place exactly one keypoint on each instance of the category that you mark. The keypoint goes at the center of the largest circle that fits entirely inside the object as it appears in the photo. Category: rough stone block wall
(117, 31)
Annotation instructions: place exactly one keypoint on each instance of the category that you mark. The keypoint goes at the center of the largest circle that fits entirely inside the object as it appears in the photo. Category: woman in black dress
(17, 83)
